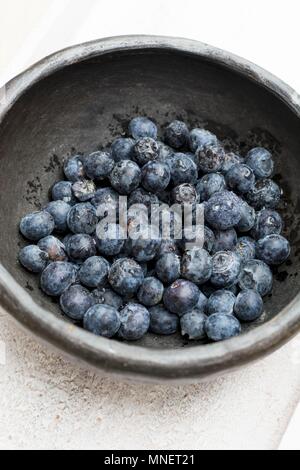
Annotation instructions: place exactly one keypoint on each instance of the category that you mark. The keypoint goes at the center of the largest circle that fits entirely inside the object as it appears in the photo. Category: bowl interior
(83, 107)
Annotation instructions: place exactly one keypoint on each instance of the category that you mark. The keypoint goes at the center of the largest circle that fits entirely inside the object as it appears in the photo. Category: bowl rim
(113, 357)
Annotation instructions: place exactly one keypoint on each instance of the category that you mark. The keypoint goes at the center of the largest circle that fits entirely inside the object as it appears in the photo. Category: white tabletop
(47, 402)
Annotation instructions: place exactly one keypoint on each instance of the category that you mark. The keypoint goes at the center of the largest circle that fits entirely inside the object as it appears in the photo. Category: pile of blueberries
(118, 287)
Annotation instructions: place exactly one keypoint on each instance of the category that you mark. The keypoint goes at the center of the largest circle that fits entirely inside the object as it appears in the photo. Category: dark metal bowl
(81, 98)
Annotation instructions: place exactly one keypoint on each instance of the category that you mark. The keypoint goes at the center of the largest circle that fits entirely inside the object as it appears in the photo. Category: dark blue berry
(141, 196)
(94, 272)
(225, 240)
(267, 222)
(273, 249)
(264, 194)
(125, 177)
(222, 211)
(110, 239)
(220, 327)
(210, 184)
(226, 269)
(59, 211)
(144, 247)
(103, 295)
(200, 138)
(168, 246)
(249, 306)
(33, 258)
(240, 178)
(183, 169)
(122, 149)
(202, 303)
(53, 247)
(246, 248)
(230, 159)
(151, 292)
(210, 158)
(82, 218)
(155, 176)
(80, 247)
(98, 165)
(193, 325)
(168, 268)
(75, 302)
(261, 162)
(163, 322)
(84, 190)
(256, 275)
(135, 322)
(142, 127)
(37, 225)
(102, 320)
(57, 277)
(106, 202)
(164, 152)
(221, 301)
(62, 191)
(73, 168)
(177, 134)
(145, 151)
(196, 265)
(181, 297)
(185, 194)
(247, 217)
(126, 276)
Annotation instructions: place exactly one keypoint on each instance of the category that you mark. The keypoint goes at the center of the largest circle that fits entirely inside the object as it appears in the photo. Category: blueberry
(144, 247)
(256, 274)
(196, 265)
(226, 269)
(125, 177)
(59, 211)
(53, 247)
(225, 240)
(163, 322)
(203, 237)
(106, 202)
(135, 322)
(156, 176)
(230, 159)
(247, 217)
(273, 249)
(181, 297)
(102, 320)
(193, 325)
(94, 272)
(122, 149)
(249, 306)
(33, 258)
(84, 190)
(82, 218)
(261, 162)
(202, 303)
(126, 276)
(221, 301)
(246, 248)
(185, 194)
(98, 165)
(103, 295)
(222, 211)
(76, 301)
(57, 277)
(164, 152)
(168, 246)
(141, 196)
(220, 327)
(264, 194)
(37, 225)
(151, 292)
(240, 178)
(80, 247)
(140, 127)
(209, 239)
(267, 222)
(183, 169)
(145, 151)
(210, 158)
(177, 134)
(199, 138)
(168, 268)
(73, 168)
(110, 239)
(210, 184)
(62, 191)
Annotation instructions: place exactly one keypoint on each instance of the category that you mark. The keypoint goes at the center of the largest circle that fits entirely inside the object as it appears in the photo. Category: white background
(264, 31)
